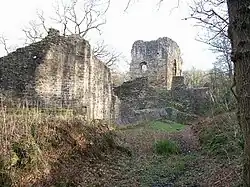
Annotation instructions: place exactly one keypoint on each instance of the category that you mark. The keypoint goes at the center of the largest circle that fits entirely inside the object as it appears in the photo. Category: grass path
(150, 168)
(192, 167)
(141, 138)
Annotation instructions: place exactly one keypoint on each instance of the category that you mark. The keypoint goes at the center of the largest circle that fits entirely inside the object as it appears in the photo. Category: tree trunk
(239, 33)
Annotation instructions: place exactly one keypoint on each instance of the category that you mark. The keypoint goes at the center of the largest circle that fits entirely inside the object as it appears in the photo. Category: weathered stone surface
(60, 72)
(136, 94)
(178, 82)
(139, 101)
(180, 117)
(150, 114)
(159, 60)
(196, 100)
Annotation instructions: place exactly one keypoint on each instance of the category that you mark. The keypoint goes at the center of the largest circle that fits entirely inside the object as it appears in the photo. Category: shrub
(166, 147)
(27, 152)
(221, 136)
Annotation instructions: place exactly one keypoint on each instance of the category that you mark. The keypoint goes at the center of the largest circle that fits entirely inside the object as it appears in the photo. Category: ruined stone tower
(59, 72)
(159, 60)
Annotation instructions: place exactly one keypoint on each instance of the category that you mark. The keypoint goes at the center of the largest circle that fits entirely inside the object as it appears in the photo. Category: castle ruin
(59, 71)
(159, 60)
(62, 72)
(157, 85)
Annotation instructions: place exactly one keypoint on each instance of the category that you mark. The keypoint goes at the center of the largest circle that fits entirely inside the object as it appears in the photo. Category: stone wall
(134, 95)
(139, 101)
(196, 100)
(59, 72)
(159, 60)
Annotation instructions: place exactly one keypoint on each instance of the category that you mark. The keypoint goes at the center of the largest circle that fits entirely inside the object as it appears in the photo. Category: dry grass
(24, 122)
(53, 149)
(222, 149)
(32, 141)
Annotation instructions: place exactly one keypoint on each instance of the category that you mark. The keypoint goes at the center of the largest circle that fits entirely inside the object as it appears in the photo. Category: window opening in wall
(1, 76)
(144, 66)
(174, 68)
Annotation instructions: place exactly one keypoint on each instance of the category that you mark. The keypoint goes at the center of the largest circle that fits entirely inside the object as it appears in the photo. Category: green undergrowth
(159, 159)
(221, 141)
(166, 126)
(166, 147)
(221, 136)
(156, 125)
(162, 170)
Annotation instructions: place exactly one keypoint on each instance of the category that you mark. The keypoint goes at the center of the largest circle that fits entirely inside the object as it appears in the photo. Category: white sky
(142, 21)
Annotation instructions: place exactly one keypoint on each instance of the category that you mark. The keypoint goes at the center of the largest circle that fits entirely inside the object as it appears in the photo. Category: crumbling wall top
(53, 32)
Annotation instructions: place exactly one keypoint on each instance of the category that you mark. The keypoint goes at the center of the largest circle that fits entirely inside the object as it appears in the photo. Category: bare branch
(212, 17)
(3, 41)
(177, 6)
(127, 6)
(109, 57)
(40, 15)
(89, 18)
(61, 16)
(75, 18)
(36, 30)
(205, 12)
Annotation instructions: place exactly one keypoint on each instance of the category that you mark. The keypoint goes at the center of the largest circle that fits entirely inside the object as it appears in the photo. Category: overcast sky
(142, 21)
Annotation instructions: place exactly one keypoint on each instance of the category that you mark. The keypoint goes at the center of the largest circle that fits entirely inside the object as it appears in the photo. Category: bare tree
(119, 77)
(33, 32)
(3, 41)
(76, 17)
(195, 77)
(212, 17)
(222, 47)
(80, 17)
(61, 16)
(109, 56)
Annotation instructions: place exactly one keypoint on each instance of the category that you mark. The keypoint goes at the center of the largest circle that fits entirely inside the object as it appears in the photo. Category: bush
(221, 136)
(166, 147)
(26, 153)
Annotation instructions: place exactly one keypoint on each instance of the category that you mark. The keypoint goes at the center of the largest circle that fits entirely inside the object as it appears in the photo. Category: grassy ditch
(37, 148)
(63, 150)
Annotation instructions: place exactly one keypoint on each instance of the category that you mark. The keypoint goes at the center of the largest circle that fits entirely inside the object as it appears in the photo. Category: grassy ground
(205, 158)
(43, 150)
(151, 168)
(167, 126)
